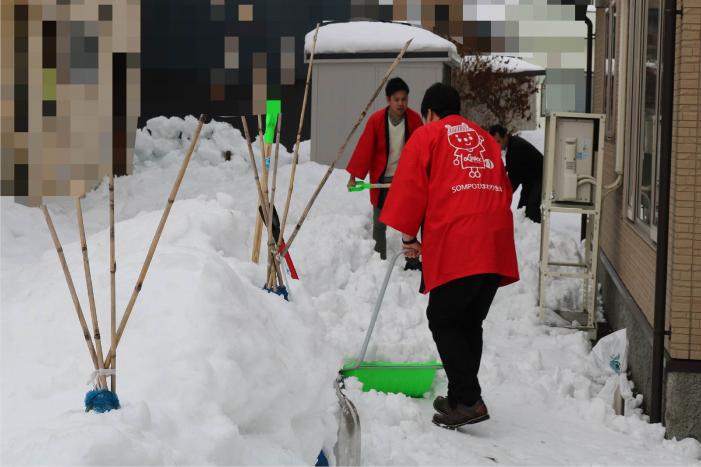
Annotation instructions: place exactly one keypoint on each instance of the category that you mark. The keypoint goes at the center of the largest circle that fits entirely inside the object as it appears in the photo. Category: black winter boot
(462, 415)
(441, 405)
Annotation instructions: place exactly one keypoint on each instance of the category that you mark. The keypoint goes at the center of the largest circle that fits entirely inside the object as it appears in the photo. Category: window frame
(636, 74)
(631, 137)
(649, 227)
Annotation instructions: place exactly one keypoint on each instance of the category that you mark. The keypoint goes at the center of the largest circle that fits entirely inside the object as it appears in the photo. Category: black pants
(531, 197)
(455, 313)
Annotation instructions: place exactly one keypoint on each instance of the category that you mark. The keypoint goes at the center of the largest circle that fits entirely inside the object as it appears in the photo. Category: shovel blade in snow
(410, 379)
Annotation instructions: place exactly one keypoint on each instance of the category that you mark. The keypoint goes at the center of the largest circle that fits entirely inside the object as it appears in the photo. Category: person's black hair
(498, 130)
(442, 99)
(394, 85)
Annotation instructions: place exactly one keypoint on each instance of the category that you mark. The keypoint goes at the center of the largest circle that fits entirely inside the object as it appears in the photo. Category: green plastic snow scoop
(411, 379)
(360, 186)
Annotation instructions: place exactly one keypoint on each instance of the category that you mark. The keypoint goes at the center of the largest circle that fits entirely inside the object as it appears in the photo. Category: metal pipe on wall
(587, 103)
(620, 72)
(665, 163)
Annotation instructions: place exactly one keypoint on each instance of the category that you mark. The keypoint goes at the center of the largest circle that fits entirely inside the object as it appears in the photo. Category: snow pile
(375, 36)
(509, 64)
(167, 137)
(212, 370)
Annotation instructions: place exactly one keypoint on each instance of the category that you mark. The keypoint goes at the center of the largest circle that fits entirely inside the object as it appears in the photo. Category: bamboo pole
(258, 232)
(257, 235)
(272, 258)
(343, 147)
(91, 292)
(261, 194)
(154, 243)
(264, 155)
(295, 158)
(71, 287)
(113, 287)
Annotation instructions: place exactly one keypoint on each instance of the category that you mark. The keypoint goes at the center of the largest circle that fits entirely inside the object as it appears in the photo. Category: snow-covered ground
(212, 370)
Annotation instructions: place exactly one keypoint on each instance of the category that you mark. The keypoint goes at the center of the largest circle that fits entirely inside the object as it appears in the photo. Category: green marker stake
(272, 110)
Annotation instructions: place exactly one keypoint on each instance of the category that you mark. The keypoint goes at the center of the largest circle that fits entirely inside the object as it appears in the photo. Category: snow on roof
(511, 64)
(375, 37)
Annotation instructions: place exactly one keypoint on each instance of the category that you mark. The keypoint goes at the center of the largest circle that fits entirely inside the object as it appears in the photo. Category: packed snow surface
(375, 36)
(213, 370)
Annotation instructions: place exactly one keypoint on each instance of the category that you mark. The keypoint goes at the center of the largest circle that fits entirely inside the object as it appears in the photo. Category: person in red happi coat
(377, 153)
(451, 184)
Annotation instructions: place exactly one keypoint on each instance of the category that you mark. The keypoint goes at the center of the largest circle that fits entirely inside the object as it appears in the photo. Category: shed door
(341, 92)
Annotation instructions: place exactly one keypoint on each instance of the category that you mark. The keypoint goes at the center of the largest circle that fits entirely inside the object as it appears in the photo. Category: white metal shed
(350, 60)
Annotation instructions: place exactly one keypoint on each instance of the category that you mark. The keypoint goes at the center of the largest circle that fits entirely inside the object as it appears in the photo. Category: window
(643, 116)
(648, 154)
(610, 70)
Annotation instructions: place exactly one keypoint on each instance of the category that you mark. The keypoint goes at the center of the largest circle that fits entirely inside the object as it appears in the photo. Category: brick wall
(685, 225)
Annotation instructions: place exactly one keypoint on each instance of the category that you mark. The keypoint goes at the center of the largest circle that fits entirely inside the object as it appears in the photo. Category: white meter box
(573, 172)
(571, 147)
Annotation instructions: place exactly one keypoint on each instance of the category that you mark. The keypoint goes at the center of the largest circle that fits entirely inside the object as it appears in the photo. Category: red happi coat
(371, 152)
(451, 182)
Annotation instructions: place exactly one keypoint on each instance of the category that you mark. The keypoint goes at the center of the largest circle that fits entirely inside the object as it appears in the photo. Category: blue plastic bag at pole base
(282, 291)
(321, 461)
(101, 400)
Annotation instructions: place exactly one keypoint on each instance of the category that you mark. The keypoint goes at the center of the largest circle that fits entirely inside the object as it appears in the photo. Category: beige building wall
(630, 250)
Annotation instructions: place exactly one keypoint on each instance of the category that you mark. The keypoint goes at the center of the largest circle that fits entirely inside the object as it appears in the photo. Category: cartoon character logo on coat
(469, 149)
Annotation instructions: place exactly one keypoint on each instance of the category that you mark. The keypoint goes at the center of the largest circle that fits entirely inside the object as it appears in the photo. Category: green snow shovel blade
(411, 379)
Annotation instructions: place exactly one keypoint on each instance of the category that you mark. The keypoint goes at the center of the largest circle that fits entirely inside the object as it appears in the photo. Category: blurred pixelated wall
(231, 55)
(70, 94)
(77, 73)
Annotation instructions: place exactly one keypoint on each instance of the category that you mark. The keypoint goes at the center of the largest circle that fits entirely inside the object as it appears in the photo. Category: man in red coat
(452, 184)
(378, 151)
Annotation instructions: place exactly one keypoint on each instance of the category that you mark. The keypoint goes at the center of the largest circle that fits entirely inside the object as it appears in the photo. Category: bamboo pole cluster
(266, 196)
(266, 193)
(342, 148)
(94, 342)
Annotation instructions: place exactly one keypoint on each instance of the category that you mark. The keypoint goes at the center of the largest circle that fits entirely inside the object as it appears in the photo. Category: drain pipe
(621, 71)
(587, 103)
(666, 111)
(590, 50)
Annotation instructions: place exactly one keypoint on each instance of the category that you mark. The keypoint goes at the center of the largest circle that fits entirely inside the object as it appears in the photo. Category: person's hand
(412, 249)
(351, 182)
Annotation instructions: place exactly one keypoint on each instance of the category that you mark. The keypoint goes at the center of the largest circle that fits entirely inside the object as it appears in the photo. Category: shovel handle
(360, 186)
(376, 311)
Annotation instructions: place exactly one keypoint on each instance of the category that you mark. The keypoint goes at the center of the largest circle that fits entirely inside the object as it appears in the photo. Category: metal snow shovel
(411, 379)
(360, 186)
